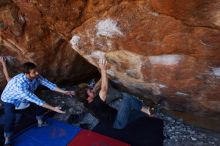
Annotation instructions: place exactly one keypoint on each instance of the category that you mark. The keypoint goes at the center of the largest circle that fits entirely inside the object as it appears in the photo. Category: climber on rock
(18, 94)
(95, 101)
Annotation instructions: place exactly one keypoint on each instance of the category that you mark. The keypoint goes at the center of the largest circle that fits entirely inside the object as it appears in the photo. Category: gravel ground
(177, 133)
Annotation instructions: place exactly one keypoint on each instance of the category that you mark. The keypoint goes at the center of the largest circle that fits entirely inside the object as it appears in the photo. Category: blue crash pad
(55, 134)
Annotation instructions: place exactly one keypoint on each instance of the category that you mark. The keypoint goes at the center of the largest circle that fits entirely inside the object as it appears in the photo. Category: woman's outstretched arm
(5, 70)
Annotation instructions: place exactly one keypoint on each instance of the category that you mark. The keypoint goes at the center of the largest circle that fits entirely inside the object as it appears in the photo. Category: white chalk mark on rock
(162, 86)
(216, 71)
(98, 54)
(155, 14)
(205, 44)
(156, 88)
(75, 41)
(108, 27)
(165, 59)
(111, 73)
(181, 94)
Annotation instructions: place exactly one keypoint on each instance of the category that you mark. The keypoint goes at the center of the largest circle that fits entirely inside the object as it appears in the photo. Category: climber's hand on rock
(103, 64)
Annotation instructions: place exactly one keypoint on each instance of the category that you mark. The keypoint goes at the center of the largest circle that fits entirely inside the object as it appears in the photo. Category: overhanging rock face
(168, 51)
(170, 57)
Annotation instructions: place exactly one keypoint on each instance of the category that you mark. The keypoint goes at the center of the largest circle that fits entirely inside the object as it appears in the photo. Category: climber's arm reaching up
(104, 80)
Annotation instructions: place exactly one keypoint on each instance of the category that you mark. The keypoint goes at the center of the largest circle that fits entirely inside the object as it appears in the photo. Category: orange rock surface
(25, 36)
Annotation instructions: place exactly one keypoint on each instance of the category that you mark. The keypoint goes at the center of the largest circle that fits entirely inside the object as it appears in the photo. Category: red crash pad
(89, 138)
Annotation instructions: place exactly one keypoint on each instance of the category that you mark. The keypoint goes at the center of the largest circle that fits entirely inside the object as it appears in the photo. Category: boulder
(166, 51)
(25, 36)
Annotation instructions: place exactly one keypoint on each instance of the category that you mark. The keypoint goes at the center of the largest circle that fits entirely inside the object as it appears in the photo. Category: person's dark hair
(81, 94)
(28, 66)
